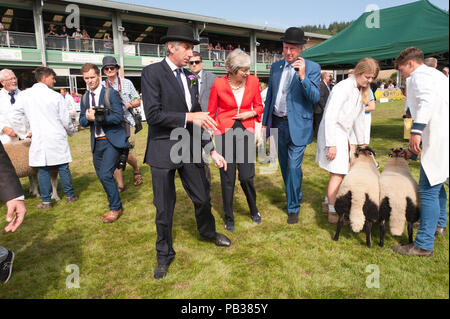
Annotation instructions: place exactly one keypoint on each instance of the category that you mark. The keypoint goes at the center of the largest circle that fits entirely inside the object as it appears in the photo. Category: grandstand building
(30, 37)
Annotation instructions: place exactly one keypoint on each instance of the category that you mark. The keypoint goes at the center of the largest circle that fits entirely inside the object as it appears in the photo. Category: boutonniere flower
(192, 79)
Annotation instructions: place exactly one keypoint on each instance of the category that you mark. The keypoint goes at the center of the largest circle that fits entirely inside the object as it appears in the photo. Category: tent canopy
(419, 24)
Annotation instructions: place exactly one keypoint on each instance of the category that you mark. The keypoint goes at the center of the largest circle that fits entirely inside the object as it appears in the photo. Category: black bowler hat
(180, 32)
(294, 35)
(109, 60)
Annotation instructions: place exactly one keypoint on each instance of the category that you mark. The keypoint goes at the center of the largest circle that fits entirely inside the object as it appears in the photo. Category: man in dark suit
(108, 137)
(11, 193)
(171, 105)
(205, 80)
(319, 107)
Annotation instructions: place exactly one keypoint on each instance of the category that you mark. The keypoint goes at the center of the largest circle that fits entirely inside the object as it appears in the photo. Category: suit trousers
(290, 157)
(196, 186)
(245, 165)
(316, 122)
(105, 162)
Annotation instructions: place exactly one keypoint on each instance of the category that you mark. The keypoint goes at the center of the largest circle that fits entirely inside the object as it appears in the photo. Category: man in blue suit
(108, 137)
(294, 86)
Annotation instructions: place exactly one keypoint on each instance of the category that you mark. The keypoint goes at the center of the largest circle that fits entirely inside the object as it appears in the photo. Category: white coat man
(427, 99)
(50, 124)
(71, 107)
(8, 97)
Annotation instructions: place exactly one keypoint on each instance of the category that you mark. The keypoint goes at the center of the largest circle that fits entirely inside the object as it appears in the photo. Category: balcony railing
(79, 45)
(12, 39)
(268, 58)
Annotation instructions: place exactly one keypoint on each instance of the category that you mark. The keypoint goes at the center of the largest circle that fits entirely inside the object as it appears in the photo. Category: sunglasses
(195, 62)
(109, 68)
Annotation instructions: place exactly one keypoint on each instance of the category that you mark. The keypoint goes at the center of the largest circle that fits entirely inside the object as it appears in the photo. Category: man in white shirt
(50, 123)
(8, 96)
(427, 99)
(71, 107)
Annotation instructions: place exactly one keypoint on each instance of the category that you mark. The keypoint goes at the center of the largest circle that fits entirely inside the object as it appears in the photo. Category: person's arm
(371, 105)
(64, 117)
(310, 82)
(83, 120)
(268, 102)
(213, 101)
(18, 118)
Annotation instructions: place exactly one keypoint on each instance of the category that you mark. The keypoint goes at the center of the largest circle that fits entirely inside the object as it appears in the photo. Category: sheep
(359, 194)
(18, 153)
(399, 199)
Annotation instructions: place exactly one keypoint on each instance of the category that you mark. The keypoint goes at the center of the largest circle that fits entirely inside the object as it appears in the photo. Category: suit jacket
(207, 81)
(300, 99)
(222, 104)
(165, 110)
(319, 107)
(112, 125)
(10, 186)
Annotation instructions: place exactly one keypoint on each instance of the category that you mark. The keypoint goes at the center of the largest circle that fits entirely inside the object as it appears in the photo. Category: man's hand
(406, 154)
(18, 207)
(245, 115)
(90, 114)
(414, 143)
(332, 151)
(219, 161)
(29, 135)
(300, 64)
(202, 119)
(9, 131)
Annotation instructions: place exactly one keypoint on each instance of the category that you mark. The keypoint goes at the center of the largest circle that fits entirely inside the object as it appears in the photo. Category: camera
(123, 156)
(100, 112)
(296, 69)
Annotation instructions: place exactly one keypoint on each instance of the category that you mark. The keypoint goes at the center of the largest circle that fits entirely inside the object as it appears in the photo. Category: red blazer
(222, 105)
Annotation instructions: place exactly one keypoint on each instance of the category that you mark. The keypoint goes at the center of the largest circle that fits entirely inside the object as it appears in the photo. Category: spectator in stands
(218, 46)
(235, 103)
(77, 36)
(50, 121)
(205, 81)
(431, 62)
(107, 43)
(130, 100)
(86, 41)
(125, 38)
(391, 85)
(63, 34)
(51, 37)
(229, 47)
(445, 71)
(2, 35)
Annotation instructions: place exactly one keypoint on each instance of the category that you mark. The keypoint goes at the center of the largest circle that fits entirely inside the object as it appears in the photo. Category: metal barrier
(12, 39)
(268, 58)
(79, 45)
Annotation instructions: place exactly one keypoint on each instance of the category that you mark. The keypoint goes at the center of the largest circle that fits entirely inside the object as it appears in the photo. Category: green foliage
(271, 260)
(332, 29)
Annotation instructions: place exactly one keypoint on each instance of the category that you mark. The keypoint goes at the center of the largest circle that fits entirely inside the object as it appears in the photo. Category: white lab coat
(427, 99)
(343, 115)
(70, 103)
(50, 124)
(5, 113)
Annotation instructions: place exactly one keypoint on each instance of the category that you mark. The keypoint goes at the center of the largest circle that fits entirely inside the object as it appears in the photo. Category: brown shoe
(44, 206)
(325, 208)
(112, 216)
(333, 218)
(412, 250)
(72, 199)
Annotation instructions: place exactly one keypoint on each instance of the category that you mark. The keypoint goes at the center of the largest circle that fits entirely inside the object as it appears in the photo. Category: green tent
(419, 24)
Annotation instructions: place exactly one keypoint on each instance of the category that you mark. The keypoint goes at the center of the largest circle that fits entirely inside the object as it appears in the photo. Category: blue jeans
(3, 253)
(45, 186)
(290, 157)
(433, 205)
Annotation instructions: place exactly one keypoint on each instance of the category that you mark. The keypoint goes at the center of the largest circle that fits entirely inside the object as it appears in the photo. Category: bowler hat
(294, 35)
(109, 60)
(180, 32)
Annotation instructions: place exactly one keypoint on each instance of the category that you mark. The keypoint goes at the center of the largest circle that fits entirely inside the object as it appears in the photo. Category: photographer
(101, 109)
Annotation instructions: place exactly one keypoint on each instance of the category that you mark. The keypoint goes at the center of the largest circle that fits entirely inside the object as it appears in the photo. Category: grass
(271, 260)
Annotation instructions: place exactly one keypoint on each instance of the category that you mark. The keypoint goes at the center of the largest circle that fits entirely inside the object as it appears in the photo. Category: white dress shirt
(50, 124)
(284, 75)
(97, 93)
(70, 103)
(187, 94)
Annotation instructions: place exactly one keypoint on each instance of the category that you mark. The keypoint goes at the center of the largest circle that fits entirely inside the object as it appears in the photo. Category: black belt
(281, 117)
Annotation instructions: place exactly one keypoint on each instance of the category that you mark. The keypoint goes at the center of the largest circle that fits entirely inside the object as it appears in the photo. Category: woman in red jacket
(235, 103)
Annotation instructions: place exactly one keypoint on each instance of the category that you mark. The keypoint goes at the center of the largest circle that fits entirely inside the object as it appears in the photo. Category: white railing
(12, 39)
(268, 58)
(79, 45)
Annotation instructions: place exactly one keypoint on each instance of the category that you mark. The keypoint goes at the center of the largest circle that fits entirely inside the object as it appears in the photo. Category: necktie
(180, 82)
(284, 92)
(98, 129)
(13, 100)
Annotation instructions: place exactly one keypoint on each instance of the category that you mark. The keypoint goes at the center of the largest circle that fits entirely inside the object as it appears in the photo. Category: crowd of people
(221, 115)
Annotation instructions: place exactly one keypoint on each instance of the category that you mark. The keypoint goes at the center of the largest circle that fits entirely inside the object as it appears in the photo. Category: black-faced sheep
(359, 194)
(18, 153)
(399, 199)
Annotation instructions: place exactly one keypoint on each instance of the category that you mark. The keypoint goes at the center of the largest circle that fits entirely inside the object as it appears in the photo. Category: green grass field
(271, 260)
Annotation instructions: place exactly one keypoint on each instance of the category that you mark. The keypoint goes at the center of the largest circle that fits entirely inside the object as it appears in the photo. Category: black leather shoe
(256, 218)
(292, 218)
(222, 240)
(160, 271)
